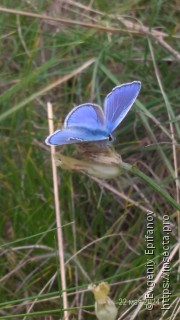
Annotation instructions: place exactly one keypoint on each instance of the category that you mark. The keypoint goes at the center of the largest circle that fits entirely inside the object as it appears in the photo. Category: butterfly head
(111, 138)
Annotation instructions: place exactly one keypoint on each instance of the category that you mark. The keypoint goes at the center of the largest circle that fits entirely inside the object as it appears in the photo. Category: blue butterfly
(88, 123)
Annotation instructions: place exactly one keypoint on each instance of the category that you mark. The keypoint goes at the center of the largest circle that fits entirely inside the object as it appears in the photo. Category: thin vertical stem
(58, 216)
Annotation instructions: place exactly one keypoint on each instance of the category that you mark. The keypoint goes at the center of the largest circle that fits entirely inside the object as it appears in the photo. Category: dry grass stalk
(58, 216)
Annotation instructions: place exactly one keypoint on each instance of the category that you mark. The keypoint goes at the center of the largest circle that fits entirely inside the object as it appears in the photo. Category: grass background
(105, 221)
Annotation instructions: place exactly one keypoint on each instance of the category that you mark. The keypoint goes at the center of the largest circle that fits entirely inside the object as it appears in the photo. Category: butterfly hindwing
(75, 135)
(118, 102)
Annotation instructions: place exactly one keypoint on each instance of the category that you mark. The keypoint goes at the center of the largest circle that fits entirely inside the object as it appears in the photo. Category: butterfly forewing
(85, 115)
(118, 102)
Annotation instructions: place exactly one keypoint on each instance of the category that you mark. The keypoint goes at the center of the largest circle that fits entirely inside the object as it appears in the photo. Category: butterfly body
(88, 123)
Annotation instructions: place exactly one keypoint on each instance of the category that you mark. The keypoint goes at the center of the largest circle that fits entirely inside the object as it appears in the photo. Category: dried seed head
(105, 308)
(92, 159)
